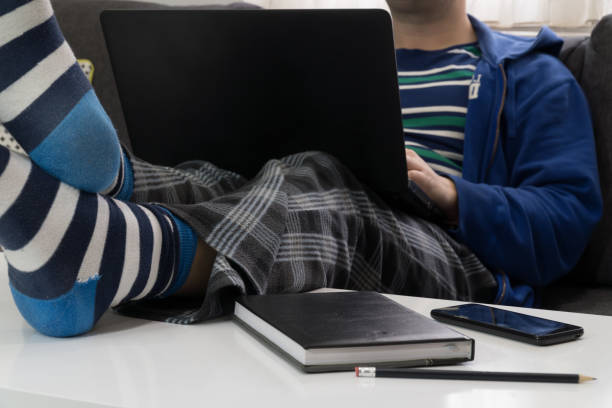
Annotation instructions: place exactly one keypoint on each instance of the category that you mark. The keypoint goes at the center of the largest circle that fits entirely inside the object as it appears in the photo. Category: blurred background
(510, 15)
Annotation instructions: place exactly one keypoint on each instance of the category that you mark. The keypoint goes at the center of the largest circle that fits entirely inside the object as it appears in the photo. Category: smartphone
(511, 325)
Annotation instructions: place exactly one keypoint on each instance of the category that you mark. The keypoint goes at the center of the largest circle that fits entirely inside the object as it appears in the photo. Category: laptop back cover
(239, 87)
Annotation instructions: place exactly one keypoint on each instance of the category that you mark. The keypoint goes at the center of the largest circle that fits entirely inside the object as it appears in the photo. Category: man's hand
(441, 190)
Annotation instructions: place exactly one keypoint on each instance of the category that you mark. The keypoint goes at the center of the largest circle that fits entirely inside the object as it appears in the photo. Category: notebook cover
(323, 368)
(346, 319)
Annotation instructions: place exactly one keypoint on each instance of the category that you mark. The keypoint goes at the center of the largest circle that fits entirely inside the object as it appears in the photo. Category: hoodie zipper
(495, 145)
(499, 115)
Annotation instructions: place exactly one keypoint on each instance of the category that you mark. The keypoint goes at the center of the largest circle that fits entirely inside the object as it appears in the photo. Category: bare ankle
(196, 282)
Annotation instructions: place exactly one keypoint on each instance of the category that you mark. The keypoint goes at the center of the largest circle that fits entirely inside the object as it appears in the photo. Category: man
(520, 209)
(497, 134)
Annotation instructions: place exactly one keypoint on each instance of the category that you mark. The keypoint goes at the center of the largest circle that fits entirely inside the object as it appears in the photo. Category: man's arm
(536, 227)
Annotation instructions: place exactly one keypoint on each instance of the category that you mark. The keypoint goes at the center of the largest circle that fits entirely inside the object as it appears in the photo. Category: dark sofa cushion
(590, 60)
(80, 23)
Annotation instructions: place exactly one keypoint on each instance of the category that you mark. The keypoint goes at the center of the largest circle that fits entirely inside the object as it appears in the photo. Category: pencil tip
(583, 378)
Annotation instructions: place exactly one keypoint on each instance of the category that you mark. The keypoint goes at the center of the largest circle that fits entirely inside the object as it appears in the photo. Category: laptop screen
(239, 87)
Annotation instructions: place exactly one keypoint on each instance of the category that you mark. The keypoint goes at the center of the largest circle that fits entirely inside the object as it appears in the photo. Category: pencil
(469, 375)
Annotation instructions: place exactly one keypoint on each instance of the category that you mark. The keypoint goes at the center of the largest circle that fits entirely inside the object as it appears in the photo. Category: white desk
(136, 363)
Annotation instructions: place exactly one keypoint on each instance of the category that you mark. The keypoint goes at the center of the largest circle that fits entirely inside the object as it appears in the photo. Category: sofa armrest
(590, 60)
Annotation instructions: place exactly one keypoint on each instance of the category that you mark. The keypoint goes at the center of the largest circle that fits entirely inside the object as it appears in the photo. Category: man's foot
(49, 107)
(72, 254)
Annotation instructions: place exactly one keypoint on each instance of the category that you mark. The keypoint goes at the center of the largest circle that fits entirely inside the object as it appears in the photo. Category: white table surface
(128, 362)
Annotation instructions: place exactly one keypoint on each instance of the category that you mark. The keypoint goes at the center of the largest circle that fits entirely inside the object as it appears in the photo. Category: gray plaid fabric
(304, 222)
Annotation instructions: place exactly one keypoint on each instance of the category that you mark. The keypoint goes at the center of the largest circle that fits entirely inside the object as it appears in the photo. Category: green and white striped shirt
(434, 87)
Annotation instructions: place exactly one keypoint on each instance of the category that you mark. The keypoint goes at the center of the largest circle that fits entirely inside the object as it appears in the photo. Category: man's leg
(49, 106)
(201, 267)
(340, 235)
(305, 222)
(72, 254)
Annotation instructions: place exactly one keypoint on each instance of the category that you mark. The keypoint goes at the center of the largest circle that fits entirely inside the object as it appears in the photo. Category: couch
(588, 288)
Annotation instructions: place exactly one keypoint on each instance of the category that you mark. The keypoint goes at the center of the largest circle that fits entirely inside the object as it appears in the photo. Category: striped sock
(49, 107)
(72, 254)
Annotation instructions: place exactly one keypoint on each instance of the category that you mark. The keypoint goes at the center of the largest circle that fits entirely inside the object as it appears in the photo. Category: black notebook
(337, 331)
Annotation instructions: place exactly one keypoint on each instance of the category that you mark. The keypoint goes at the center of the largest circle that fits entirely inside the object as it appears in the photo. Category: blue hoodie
(529, 196)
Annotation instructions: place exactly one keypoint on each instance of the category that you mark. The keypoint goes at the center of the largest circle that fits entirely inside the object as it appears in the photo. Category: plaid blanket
(303, 223)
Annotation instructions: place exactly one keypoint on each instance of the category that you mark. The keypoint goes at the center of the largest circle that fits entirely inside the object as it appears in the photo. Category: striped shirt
(434, 88)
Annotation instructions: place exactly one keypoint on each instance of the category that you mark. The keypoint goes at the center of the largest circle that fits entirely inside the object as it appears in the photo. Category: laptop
(240, 87)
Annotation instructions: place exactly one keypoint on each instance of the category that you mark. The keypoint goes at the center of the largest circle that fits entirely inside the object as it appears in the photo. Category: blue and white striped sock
(72, 254)
(49, 107)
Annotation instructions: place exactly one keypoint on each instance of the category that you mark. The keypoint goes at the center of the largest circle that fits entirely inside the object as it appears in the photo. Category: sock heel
(48, 105)
(68, 315)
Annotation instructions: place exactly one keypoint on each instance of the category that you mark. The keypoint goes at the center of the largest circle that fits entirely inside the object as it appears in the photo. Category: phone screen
(532, 325)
